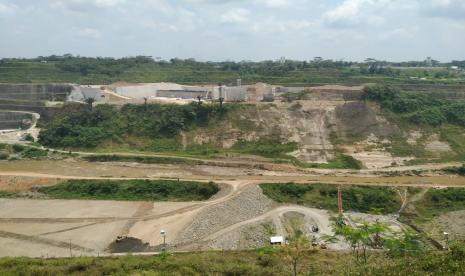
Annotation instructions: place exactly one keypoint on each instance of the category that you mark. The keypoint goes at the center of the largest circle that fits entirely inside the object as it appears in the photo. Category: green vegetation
(433, 114)
(266, 261)
(85, 70)
(439, 201)
(341, 161)
(8, 152)
(141, 159)
(156, 190)
(88, 128)
(376, 236)
(456, 170)
(4, 194)
(4, 156)
(33, 153)
(265, 147)
(324, 196)
(416, 108)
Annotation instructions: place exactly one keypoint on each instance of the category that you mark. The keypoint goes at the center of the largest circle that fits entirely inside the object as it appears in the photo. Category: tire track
(45, 241)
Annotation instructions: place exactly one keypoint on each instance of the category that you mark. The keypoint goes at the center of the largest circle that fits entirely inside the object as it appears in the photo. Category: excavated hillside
(322, 123)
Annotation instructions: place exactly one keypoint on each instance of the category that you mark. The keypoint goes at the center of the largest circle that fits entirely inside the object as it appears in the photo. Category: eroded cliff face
(320, 127)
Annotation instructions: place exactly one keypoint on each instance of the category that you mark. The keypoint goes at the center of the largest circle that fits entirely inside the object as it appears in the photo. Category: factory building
(230, 94)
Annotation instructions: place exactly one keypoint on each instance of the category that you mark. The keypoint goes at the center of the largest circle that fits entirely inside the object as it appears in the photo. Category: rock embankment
(250, 203)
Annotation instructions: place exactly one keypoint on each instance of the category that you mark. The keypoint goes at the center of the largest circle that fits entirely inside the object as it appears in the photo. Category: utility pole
(339, 200)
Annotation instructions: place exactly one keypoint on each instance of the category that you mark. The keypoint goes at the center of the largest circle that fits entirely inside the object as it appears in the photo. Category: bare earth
(239, 217)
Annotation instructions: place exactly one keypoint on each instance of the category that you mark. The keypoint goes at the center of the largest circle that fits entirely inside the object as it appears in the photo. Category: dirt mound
(129, 244)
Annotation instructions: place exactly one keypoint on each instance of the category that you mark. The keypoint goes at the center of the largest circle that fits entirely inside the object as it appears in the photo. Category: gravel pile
(247, 205)
(249, 236)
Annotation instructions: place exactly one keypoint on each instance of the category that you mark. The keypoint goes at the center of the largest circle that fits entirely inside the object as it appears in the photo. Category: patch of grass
(33, 153)
(400, 147)
(455, 137)
(265, 261)
(4, 194)
(141, 159)
(341, 161)
(456, 170)
(166, 145)
(439, 201)
(18, 148)
(202, 150)
(156, 190)
(324, 196)
(265, 147)
(4, 156)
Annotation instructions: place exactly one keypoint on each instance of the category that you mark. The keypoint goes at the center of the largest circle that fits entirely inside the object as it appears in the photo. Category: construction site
(241, 215)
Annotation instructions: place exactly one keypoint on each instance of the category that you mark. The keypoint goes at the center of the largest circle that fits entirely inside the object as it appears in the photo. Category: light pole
(446, 238)
(163, 233)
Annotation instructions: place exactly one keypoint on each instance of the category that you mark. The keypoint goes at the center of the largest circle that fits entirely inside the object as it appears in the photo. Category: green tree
(297, 248)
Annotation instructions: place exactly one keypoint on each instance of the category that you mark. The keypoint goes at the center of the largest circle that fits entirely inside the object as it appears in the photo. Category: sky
(217, 30)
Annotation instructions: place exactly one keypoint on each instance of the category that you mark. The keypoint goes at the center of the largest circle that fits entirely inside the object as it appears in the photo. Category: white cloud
(236, 15)
(451, 9)
(89, 33)
(395, 34)
(272, 26)
(274, 3)
(85, 5)
(7, 9)
(352, 13)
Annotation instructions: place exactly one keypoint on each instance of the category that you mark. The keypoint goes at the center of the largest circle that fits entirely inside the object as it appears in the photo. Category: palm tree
(90, 102)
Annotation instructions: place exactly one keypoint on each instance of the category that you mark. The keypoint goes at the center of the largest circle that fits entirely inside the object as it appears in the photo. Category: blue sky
(235, 29)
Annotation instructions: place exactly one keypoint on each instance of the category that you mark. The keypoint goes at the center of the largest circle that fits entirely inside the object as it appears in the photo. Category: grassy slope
(263, 262)
(355, 198)
(149, 190)
(439, 201)
(425, 113)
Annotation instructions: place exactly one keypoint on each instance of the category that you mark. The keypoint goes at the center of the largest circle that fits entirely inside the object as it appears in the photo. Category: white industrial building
(230, 94)
(81, 93)
(162, 90)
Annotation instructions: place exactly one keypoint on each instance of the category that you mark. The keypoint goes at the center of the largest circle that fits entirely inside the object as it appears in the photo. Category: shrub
(33, 153)
(4, 156)
(18, 148)
(161, 190)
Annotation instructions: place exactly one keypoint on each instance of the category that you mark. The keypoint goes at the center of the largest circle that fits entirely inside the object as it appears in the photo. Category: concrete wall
(184, 94)
(14, 120)
(137, 91)
(33, 92)
(230, 94)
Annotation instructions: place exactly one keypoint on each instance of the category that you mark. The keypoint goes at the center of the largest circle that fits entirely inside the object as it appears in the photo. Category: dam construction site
(98, 172)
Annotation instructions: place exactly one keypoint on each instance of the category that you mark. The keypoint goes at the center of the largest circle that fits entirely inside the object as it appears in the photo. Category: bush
(29, 138)
(4, 156)
(89, 128)
(456, 170)
(417, 109)
(160, 190)
(18, 148)
(355, 198)
(33, 153)
(265, 147)
(439, 201)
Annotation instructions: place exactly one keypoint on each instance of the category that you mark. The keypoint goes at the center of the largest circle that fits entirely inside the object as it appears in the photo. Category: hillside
(382, 127)
(85, 70)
